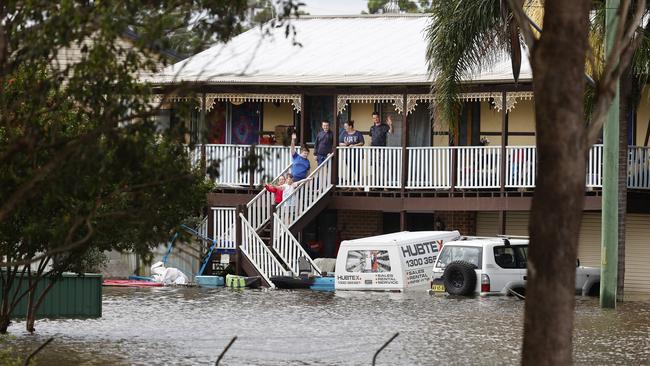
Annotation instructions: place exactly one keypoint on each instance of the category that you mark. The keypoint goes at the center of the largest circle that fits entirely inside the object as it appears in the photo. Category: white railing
(258, 253)
(274, 161)
(429, 167)
(259, 208)
(307, 194)
(370, 167)
(521, 166)
(230, 158)
(195, 155)
(223, 226)
(638, 167)
(595, 167)
(478, 167)
(271, 160)
(288, 248)
(202, 228)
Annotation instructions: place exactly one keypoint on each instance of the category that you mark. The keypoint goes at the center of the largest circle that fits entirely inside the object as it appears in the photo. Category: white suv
(488, 266)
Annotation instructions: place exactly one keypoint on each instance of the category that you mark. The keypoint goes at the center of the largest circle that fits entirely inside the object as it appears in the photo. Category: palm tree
(466, 36)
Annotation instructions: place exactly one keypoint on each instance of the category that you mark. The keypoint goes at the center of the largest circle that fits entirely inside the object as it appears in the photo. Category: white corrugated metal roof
(335, 50)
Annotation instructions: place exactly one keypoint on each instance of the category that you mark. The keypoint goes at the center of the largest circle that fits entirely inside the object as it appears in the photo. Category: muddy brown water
(191, 326)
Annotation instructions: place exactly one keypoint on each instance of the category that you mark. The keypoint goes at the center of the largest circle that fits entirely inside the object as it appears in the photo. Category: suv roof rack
(470, 237)
(513, 236)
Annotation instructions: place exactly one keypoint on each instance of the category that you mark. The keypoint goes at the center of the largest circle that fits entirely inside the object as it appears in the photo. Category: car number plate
(437, 288)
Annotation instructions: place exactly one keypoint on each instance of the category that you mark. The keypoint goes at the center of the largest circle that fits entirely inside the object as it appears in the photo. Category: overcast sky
(334, 7)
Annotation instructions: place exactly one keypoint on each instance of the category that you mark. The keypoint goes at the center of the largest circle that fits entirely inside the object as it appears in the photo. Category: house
(429, 175)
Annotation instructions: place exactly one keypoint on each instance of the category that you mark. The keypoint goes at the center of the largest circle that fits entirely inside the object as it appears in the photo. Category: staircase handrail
(254, 248)
(325, 186)
(260, 216)
(288, 248)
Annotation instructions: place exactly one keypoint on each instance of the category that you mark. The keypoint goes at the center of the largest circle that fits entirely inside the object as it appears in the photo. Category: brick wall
(463, 221)
(359, 224)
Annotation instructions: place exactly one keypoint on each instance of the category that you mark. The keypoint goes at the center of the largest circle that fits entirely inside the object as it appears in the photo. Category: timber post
(272, 225)
(335, 143)
(252, 162)
(238, 237)
(302, 120)
(503, 160)
(404, 175)
(201, 133)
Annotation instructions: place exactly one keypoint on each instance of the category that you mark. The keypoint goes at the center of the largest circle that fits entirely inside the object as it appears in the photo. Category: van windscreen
(367, 261)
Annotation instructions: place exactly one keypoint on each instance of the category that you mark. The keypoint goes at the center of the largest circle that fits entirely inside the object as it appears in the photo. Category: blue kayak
(209, 281)
(312, 283)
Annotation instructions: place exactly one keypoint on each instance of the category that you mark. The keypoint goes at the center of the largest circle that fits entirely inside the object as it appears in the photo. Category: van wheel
(459, 278)
(594, 290)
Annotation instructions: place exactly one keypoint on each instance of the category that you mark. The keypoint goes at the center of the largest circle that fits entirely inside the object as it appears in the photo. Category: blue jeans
(320, 159)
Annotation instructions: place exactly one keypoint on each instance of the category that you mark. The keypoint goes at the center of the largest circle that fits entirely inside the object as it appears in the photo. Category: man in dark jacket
(324, 143)
(379, 130)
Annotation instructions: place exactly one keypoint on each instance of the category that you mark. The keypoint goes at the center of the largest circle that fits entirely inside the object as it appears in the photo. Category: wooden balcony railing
(370, 167)
(231, 158)
(441, 168)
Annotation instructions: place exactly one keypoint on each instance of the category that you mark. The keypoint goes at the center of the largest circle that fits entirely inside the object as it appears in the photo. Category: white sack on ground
(168, 276)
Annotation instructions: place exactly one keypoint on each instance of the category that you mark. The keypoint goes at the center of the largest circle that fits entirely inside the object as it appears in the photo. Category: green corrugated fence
(72, 296)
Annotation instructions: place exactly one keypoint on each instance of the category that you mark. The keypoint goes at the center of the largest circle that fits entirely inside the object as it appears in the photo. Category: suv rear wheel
(459, 278)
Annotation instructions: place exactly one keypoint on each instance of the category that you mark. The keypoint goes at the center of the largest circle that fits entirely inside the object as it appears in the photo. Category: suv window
(458, 253)
(511, 256)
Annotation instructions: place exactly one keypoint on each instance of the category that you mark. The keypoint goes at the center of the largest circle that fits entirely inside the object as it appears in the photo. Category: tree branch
(624, 45)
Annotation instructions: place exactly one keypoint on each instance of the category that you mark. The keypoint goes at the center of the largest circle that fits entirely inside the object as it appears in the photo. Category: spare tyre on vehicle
(460, 278)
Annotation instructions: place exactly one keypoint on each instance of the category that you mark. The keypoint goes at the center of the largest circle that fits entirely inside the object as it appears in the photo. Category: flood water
(189, 326)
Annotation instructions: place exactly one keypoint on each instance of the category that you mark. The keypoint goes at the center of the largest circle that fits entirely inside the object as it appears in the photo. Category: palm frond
(641, 57)
(464, 37)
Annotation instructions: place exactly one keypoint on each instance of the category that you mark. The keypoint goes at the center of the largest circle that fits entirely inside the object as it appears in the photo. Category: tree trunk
(558, 62)
(6, 309)
(29, 316)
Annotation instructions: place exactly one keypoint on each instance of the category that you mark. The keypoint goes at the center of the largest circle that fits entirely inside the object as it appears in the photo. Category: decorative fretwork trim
(396, 99)
(160, 98)
(235, 98)
(238, 98)
(496, 98)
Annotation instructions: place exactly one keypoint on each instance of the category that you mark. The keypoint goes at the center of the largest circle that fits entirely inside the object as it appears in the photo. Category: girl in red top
(276, 189)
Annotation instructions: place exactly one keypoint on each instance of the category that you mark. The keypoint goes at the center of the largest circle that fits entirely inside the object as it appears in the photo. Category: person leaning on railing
(276, 189)
(287, 189)
(300, 164)
(350, 138)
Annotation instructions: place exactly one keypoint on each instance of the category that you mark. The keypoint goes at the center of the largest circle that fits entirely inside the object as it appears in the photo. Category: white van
(395, 261)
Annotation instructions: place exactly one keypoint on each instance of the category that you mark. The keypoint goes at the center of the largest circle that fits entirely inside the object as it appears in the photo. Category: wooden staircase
(266, 242)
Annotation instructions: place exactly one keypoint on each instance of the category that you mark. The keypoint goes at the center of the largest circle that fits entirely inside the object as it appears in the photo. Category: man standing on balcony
(378, 133)
(379, 130)
(324, 142)
(300, 165)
